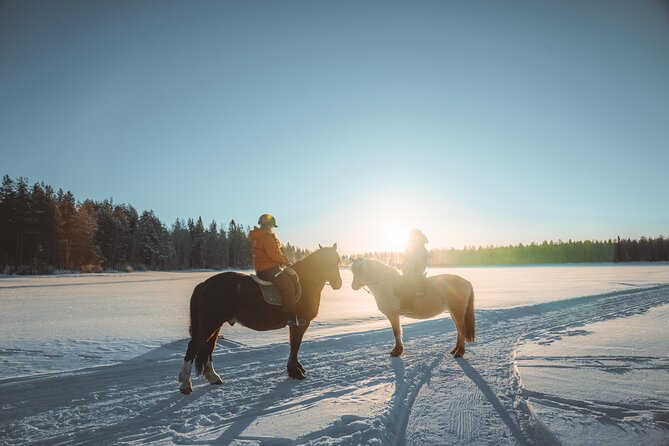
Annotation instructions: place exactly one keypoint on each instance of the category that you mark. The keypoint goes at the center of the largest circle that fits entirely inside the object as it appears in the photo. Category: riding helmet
(417, 235)
(267, 220)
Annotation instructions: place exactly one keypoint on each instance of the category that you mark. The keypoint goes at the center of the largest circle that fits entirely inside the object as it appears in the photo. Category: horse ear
(335, 245)
(319, 246)
(358, 264)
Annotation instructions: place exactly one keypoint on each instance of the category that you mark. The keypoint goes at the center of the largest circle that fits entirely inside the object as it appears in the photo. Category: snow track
(355, 393)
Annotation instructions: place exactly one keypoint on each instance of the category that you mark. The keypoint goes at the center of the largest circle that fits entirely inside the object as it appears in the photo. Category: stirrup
(295, 321)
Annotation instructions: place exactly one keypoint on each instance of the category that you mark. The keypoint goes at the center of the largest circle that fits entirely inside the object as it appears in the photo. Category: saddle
(409, 288)
(271, 293)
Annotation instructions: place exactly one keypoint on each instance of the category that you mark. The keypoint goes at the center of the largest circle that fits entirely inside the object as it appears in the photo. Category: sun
(393, 236)
(383, 221)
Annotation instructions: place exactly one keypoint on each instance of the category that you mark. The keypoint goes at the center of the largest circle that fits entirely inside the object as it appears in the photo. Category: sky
(481, 123)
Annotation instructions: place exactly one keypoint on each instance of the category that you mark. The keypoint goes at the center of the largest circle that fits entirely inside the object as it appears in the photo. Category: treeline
(42, 230)
(619, 250)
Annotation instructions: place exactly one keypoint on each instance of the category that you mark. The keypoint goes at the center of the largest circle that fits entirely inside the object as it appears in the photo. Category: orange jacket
(266, 250)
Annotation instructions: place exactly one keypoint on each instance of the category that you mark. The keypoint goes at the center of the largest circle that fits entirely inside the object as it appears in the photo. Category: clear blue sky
(478, 122)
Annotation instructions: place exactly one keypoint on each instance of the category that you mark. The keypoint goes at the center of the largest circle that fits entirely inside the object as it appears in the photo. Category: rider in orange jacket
(267, 261)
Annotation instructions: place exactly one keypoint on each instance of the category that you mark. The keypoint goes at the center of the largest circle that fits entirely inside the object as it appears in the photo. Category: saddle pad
(260, 281)
(271, 293)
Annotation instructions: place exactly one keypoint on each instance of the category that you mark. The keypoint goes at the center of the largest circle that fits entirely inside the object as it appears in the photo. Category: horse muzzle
(355, 285)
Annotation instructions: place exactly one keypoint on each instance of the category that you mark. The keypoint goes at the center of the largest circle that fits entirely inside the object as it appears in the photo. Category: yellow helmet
(267, 220)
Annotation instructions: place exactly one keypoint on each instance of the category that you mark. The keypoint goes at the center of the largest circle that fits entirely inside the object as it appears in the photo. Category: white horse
(443, 292)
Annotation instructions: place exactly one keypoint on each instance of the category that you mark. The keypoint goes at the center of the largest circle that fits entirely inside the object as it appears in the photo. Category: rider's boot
(406, 305)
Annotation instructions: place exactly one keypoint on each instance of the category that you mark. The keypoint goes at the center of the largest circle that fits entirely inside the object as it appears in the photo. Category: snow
(626, 357)
(94, 358)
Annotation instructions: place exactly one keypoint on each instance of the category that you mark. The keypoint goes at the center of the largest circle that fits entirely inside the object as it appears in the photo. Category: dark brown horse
(234, 297)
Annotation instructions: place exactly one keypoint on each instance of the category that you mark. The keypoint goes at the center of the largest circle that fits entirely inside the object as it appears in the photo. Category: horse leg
(457, 342)
(185, 384)
(459, 349)
(295, 369)
(195, 349)
(397, 331)
(300, 367)
(209, 373)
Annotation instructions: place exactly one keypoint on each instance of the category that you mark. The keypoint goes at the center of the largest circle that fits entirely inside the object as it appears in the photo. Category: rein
(304, 275)
(308, 276)
(366, 286)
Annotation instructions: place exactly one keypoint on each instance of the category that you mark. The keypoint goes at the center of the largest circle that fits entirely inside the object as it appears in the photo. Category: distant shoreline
(73, 273)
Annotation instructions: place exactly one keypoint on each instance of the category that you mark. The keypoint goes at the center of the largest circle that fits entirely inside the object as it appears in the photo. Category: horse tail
(192, 329)
(194, 333)
(470, 323)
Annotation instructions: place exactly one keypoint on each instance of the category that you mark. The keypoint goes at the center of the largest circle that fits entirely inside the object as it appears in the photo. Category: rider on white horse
(414, 282)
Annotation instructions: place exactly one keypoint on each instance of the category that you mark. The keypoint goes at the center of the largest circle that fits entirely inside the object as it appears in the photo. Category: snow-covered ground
(93, 359)
(627, 360)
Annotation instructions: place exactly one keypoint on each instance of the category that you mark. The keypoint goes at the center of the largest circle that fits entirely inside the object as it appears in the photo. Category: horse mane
(380, 266)
(316, 255)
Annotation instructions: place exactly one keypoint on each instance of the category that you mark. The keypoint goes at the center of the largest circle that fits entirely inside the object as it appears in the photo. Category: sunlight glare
(394, 236)
(384, 218)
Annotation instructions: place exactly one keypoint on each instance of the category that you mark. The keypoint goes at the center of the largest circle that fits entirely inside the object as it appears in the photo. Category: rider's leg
(286, 288)
(421, 285)
(410, 294)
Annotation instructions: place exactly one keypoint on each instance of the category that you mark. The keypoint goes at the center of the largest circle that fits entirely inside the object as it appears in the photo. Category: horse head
(326, 263)
(358, 268)
(368, 272)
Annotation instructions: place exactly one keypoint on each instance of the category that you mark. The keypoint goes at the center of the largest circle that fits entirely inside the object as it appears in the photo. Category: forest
(550, 252)
(43, 230)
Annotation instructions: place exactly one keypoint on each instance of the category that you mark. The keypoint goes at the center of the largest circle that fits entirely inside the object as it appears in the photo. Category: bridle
(306, 276)
(366, 286)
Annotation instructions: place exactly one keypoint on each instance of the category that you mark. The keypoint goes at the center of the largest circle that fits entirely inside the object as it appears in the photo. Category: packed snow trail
(481, 401)
(355, 393)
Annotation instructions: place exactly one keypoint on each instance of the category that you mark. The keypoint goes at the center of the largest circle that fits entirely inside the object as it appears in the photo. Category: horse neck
(383, 283)
(308, 277)
(385, 273)
(312, 287)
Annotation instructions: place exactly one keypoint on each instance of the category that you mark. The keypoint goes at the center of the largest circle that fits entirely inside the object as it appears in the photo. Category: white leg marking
(184, 376)
(210, 374)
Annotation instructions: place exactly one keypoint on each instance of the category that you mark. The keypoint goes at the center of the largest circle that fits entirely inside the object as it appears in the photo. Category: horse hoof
(297, 375)
(396, 353)
(218, 382)
(458, 354)
(454, 350)
(186, 390)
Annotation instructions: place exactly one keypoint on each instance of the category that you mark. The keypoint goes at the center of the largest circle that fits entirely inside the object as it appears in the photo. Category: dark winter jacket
(415, 258)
